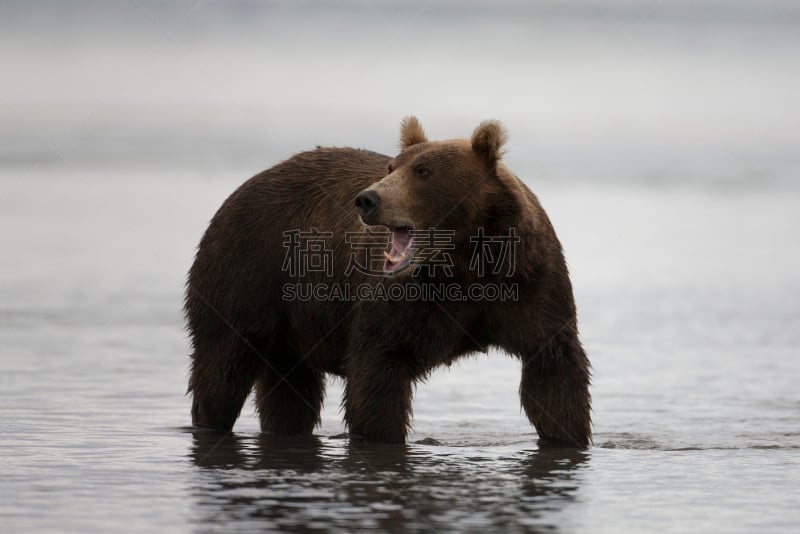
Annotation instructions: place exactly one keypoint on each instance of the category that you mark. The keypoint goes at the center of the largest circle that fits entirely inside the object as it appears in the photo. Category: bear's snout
(367, 202)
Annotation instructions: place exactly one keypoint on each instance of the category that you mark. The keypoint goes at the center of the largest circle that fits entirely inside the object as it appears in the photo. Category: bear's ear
(488, 140)
(411, 132)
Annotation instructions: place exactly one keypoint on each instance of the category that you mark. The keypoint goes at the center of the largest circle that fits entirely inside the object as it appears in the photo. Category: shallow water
(695, 361)
(657, 135)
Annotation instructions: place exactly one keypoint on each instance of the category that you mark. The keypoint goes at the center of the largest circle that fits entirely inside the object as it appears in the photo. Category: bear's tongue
(401, 254)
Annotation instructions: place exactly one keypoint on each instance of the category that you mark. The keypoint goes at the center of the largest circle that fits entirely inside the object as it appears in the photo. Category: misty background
(598, 91)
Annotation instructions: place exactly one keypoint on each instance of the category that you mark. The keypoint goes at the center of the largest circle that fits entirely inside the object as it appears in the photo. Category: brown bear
(446, 209)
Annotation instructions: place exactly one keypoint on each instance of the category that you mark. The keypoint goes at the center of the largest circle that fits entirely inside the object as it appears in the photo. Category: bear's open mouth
(401, 253)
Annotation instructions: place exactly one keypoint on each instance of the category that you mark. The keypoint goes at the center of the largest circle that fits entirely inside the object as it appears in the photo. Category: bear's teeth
(395, 259)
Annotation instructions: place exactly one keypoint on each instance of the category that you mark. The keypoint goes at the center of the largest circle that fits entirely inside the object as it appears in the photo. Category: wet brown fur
(245, 336)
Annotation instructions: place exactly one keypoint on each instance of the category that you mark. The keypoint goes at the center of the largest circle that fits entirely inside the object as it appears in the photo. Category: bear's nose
(366, 202)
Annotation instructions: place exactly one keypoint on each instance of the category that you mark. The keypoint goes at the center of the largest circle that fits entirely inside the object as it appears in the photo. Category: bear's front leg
(377, 398)
(554, 390)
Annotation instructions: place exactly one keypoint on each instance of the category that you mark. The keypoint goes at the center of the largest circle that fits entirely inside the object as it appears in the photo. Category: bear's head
(432, 186)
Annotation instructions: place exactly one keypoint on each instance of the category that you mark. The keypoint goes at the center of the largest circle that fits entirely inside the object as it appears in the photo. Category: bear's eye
(421, 171)
(389, 169)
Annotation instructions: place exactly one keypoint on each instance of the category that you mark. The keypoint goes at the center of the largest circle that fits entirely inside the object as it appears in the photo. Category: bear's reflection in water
(323, 484)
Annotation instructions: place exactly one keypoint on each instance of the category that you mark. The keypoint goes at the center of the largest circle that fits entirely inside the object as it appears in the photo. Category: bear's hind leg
(222, 376)
(289, 398)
